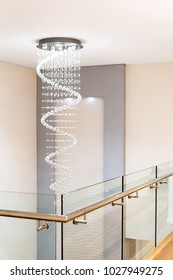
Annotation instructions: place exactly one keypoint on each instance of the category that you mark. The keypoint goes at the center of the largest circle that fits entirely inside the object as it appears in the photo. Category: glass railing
(138, 216)
(124, 218)
(164, 203)
(94, 240)
(19, 238)
(139, 225)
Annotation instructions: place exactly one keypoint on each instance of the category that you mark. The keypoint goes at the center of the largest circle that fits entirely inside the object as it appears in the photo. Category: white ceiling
(112, 31)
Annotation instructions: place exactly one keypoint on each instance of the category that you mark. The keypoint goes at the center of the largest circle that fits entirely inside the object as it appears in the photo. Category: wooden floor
(164, 251)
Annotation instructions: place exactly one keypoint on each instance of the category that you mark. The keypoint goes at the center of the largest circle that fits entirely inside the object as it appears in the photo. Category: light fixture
(59, 69)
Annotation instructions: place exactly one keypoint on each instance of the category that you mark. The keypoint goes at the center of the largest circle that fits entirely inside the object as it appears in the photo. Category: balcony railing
(123, 218)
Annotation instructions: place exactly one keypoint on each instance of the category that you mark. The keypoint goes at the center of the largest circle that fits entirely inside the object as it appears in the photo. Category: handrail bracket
(165, 181)
(133, 196)
(40, 227)
(154, 186)
(114, 203)
(76, 221)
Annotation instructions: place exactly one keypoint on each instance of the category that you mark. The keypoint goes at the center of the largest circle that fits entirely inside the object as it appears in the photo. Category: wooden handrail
(83, 211)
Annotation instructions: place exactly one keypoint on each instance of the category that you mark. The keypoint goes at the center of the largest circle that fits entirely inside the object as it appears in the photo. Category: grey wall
(107, 82)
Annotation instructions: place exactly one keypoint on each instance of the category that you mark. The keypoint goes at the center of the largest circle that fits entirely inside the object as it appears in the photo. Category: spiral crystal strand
(59, 69)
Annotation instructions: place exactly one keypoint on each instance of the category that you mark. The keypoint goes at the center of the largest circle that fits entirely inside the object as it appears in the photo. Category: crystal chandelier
(59, 70)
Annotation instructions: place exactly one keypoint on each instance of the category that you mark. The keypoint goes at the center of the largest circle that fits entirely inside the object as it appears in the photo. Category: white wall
(17, 158)
(18, 128)
(149, 115)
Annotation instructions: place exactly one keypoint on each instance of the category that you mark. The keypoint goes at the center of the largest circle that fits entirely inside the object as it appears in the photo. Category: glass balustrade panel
(140, 177)
(100, 238)
(19, 238)
(164, 168)
(139, 224)
(165, 206)
(84, 197)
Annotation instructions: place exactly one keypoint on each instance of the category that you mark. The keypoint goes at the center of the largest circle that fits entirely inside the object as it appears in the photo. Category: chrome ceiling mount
(59, 44)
